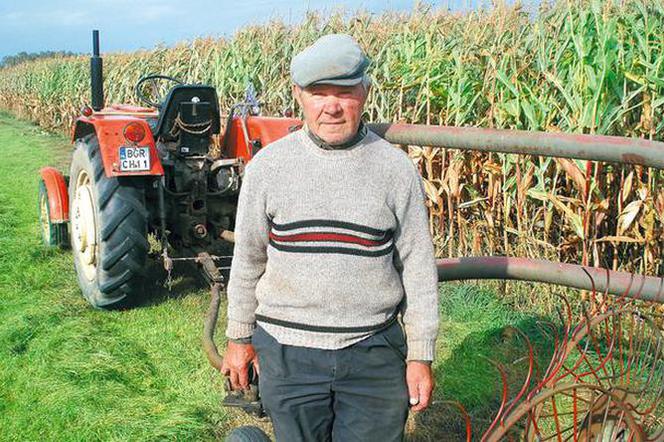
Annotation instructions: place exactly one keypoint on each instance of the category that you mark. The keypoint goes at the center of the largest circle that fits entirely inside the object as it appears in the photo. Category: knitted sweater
(331, 244)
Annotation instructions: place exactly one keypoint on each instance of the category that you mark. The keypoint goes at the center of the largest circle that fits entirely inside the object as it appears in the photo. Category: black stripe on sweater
(324, 329)
(328, 223)
(340, 250)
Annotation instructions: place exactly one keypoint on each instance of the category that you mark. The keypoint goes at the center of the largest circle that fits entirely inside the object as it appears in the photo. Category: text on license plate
(134, 159)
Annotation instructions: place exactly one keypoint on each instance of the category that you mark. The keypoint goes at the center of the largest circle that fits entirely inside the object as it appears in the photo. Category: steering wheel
(156, 90)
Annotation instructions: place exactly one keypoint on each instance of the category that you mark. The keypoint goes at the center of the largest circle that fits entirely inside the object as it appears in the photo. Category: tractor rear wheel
(108, 230)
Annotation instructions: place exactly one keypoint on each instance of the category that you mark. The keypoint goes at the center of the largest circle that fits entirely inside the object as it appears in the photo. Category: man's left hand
(419, 379)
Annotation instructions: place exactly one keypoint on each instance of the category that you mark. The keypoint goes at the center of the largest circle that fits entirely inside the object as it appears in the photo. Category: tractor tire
(53, 234)
(247, 433)
(109, 224)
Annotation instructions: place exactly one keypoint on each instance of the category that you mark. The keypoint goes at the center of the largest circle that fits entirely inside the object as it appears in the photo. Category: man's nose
(332, 106)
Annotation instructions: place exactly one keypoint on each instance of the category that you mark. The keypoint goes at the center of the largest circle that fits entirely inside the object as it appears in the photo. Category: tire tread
(123, 249)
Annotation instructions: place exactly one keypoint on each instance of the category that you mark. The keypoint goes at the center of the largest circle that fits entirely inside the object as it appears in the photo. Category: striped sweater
(331, 245)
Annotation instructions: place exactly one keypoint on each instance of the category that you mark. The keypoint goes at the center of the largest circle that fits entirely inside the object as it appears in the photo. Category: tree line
(21, 57)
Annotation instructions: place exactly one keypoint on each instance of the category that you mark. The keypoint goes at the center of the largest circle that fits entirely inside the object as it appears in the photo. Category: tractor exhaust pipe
(96, 74)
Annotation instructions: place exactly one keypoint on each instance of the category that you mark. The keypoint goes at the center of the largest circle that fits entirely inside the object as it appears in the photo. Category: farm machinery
(167, 175)
(140, 171)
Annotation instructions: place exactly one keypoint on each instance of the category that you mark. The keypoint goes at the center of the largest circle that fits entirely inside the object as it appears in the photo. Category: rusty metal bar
(209, 347)
(579, 146)
(647, 288)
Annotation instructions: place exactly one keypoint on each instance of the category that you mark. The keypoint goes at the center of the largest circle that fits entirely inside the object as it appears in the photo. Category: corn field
(574, 66)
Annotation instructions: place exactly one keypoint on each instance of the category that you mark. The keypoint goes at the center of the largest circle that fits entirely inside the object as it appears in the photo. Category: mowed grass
(69, 372)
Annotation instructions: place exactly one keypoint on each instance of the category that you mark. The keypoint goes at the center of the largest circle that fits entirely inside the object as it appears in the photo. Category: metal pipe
(647, 288)
(210, 348)
(96, 74)
(585, 147)
(227, 235)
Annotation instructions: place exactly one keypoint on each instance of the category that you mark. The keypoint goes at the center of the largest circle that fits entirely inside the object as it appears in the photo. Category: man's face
(332, 112)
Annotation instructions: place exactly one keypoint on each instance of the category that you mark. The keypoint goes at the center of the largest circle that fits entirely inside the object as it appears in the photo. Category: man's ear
(367, 89)
(297, 91)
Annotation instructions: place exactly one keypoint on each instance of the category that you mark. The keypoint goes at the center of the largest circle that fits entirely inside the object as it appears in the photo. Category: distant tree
(22, 57)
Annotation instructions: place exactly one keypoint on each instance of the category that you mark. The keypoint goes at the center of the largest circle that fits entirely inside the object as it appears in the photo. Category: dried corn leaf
(619, 238)
(573, 171)
(431, 190)
(628, 215)
(627, 187)
(492, 168)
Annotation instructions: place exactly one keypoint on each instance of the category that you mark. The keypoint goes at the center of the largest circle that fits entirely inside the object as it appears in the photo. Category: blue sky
(125, 25)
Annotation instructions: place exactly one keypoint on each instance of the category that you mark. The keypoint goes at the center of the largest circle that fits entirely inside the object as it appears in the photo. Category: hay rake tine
(599, 353)
(556, 365)
(637, 353)
(503, 399)
(556, 418)
(526, 382)
(466, 418)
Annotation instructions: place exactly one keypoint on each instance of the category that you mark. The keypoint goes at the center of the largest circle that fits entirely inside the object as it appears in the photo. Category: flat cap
(332, 59)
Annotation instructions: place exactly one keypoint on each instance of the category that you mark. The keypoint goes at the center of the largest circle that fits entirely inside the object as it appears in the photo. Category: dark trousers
(356, 393)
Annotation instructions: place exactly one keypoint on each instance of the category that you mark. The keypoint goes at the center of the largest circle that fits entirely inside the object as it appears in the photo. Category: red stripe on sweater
(335, 237)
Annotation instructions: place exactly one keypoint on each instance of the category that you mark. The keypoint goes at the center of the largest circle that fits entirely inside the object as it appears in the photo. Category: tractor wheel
(108, 230)
(53, 234)
(247, 433)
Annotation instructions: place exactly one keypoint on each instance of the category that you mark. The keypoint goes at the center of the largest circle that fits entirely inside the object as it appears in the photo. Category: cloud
(65, 17)
(73, 13)
(145, 11)
(155, 12)
(13, 17)
(58, 17)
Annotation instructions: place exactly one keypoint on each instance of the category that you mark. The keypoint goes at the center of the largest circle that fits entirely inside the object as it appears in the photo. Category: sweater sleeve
(249, 253)
(415, 261)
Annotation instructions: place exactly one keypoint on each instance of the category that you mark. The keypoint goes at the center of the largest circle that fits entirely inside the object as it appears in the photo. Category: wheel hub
(84, 227)
(44, 218)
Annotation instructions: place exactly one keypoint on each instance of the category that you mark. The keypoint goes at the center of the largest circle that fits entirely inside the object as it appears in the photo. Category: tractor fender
(260, 132)
(109, 130)
(56, 189)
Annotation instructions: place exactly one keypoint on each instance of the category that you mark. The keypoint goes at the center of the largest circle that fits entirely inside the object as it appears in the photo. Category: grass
(476, 327)
(69, 372)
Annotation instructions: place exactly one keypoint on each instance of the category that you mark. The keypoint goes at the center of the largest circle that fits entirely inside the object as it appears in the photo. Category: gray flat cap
(332, 59)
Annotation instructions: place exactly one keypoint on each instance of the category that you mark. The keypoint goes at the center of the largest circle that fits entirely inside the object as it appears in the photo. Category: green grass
(476, 328)
(69, 372)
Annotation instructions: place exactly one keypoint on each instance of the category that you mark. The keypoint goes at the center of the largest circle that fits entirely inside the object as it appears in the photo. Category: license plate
(133, 159)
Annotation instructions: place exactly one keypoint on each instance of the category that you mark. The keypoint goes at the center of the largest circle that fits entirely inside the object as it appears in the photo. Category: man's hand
(419, 379)
(236, 364)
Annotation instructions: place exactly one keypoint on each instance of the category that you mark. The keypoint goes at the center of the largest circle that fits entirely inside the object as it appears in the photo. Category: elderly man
(333, 264)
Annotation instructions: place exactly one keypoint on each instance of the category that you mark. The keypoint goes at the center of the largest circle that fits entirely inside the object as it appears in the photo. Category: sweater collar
(359, 136)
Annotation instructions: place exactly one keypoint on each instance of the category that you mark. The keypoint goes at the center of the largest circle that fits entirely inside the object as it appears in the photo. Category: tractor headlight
(225, 178)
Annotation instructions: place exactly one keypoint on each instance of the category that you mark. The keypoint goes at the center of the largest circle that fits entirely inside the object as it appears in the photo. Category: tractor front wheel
(247, 433)
(53, 234)
(108, 230)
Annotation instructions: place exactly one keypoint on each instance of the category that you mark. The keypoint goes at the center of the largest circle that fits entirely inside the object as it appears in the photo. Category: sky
(127, 25)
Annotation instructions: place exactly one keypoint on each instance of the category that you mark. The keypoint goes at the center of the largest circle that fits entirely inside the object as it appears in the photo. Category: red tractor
(138, 172)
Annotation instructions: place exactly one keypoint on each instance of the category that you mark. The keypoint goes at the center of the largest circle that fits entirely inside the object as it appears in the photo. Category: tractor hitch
(248, 400)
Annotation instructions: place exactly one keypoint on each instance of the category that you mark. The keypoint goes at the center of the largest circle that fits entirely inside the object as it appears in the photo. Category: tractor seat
(201, 96)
